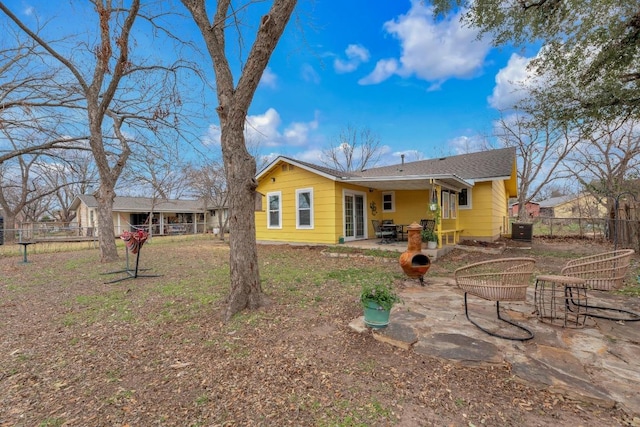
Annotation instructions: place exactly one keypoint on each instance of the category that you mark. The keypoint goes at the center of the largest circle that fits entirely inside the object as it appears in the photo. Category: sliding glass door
(354, 220)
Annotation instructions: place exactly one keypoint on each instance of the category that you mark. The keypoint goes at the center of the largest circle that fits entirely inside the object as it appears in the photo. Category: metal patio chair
(505, 279)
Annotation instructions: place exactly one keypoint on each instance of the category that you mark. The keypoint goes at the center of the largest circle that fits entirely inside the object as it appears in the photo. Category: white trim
(469, 204)
(279, 195)
(365, 215)
(311, 221)
(296, 164)
(393, 201)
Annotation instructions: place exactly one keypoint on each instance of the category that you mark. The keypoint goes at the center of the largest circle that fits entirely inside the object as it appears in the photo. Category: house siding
(485, 220)
(581, 207)
(412, 206)
(288, 180)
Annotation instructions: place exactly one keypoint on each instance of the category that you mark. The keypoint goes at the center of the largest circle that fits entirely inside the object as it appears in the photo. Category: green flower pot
(375, 316)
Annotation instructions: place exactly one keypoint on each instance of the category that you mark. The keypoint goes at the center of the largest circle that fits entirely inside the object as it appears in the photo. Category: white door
(354, 212)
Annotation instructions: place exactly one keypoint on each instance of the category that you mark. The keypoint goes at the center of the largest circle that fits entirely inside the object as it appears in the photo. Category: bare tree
(73, 173)
(155, 171)
(353, 150)
(541, 148)
(22, 191)
(123, 96)
(607, 162)
(30, 100)
(233, 104)
(209, 184)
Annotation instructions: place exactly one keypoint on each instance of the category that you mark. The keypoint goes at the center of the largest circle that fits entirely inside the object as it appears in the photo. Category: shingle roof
(454, 171)
(472, 166)
(555, 201)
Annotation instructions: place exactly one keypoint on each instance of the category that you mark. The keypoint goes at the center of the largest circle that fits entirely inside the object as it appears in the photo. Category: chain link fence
(624, 233)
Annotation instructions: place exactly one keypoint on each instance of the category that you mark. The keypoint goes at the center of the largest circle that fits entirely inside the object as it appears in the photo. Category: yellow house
(307, 203)
(583, 205)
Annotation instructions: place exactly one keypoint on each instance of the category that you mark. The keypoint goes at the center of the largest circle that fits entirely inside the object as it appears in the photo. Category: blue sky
(425, 88)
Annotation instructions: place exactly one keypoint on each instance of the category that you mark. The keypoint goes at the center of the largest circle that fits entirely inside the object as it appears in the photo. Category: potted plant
(431, 238)
(377, 300)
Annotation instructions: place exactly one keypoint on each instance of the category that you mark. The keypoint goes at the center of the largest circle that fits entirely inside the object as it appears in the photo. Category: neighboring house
(307, 203)
(532, 209)
(165, 216)
(582, 205)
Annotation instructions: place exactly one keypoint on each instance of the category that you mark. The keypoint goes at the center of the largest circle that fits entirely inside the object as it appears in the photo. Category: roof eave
(268, 169)
(409, 182)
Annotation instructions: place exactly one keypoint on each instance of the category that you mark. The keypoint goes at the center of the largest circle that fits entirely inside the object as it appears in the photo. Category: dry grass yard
(152, 351)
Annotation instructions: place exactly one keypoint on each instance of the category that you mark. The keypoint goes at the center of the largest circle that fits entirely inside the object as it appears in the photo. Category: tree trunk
(9, 228)
(107, 244)
(523, 215)
(240, 168)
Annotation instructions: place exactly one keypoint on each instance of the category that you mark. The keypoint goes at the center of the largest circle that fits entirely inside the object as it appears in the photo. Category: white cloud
(385, 68)
(309, 74)
(269, 78)
(431, 51)
(213, 135)
(263, 127)
(263, 130)
(356, 55)
(297, 133)
(512, 82)
(311, 156)
(467, 144)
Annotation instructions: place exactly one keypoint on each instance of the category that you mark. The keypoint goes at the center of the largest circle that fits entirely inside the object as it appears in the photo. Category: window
(464, 198)
(452, 206)
(304, 208)
(388, 202)
(274, 214)
(445, 204)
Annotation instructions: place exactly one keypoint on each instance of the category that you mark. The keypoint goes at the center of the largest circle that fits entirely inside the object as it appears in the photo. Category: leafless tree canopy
(353, 150)
(541, 148)
(124, 94)
(209, 184)
(607, 161)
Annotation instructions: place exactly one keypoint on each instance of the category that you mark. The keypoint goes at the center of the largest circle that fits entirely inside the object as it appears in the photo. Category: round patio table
(561, 300)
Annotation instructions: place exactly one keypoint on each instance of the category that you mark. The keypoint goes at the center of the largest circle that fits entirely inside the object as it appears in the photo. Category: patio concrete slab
(598, 363)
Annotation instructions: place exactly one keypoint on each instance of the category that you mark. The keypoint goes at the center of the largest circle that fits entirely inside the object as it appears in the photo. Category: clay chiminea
(413, 261)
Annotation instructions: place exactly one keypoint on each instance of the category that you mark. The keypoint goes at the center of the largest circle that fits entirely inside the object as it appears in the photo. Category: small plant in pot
(377, 300)
(431, 238)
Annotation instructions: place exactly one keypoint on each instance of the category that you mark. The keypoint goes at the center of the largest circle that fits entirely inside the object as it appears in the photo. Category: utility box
(522, 232)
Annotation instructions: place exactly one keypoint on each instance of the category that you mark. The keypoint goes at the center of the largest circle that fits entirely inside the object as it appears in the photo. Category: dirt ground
(152, 351)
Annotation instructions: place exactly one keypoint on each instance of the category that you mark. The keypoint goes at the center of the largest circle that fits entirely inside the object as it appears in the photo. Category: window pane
(304, 200)
(273, 219)
(305, 217)
(462, 197)
(274, 203)
(274, 210)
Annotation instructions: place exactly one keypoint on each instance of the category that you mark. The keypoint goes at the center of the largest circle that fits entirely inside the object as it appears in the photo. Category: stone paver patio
(599, 363)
